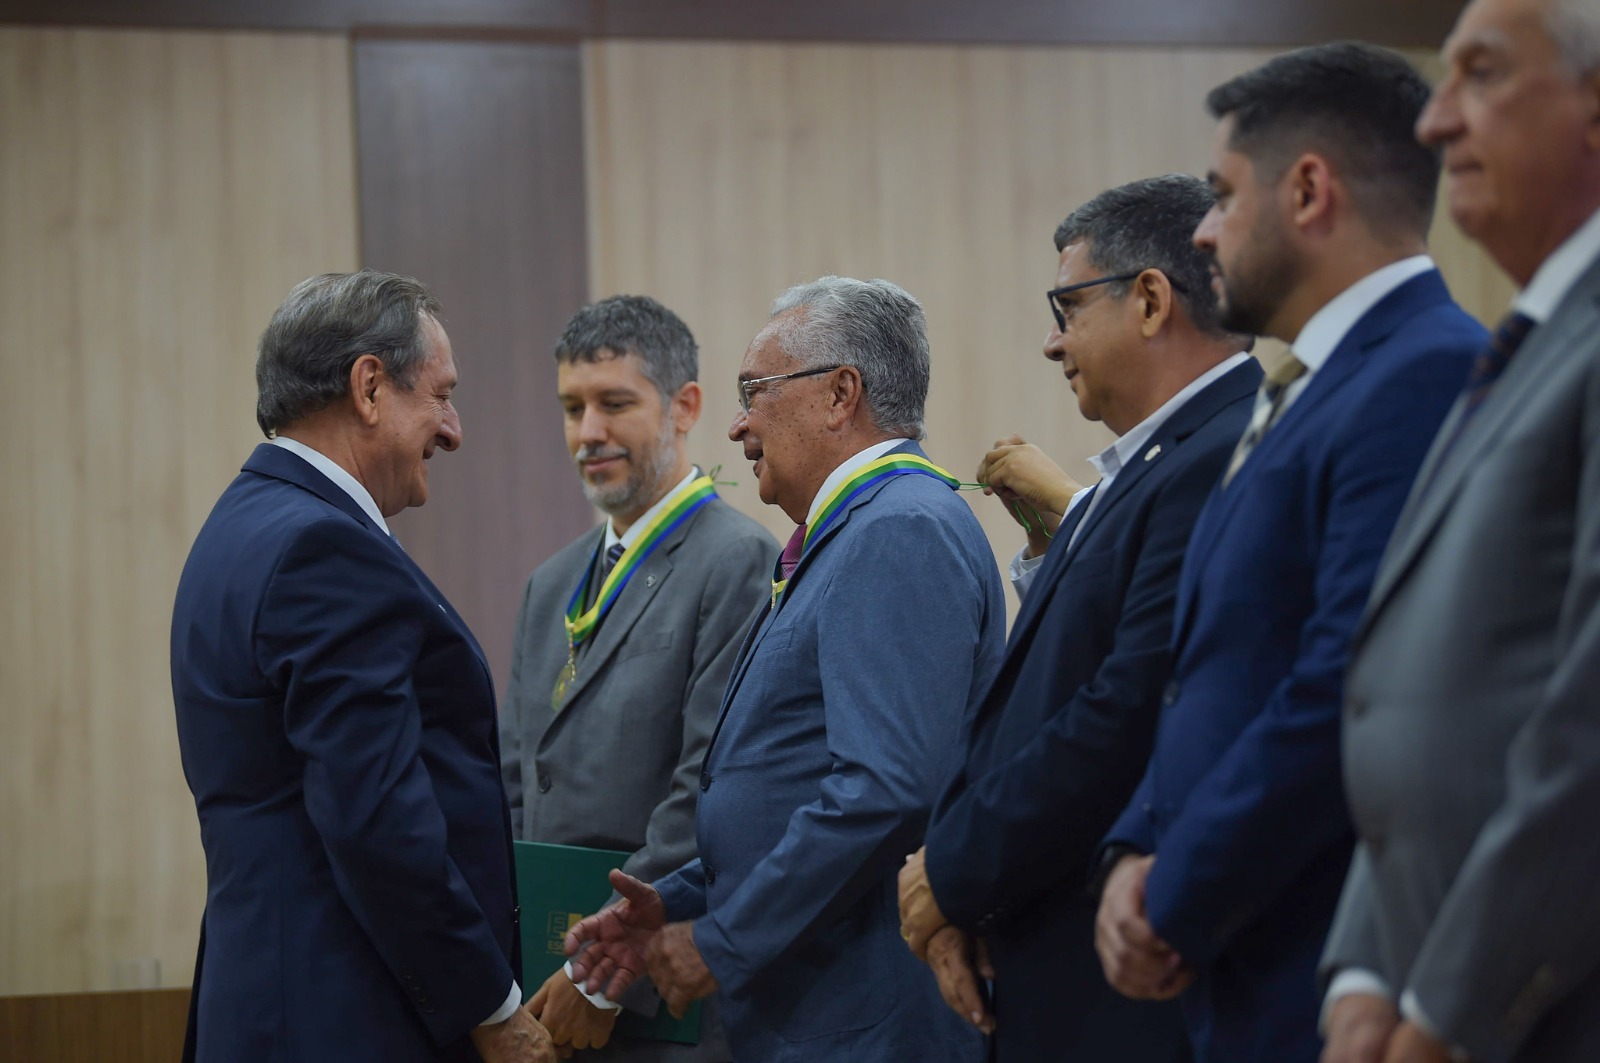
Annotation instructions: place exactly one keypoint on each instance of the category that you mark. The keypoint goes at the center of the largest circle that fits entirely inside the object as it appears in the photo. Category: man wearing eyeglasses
(1222, 873)
(841, 720)
(1059, 740)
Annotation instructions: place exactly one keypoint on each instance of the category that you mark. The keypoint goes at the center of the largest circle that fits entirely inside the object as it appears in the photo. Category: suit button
(544, 782)
(705, 780)
(1169, 696)
(711, 874)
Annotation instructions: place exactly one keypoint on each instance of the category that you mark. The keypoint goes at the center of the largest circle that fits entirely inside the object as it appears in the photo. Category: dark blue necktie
(1486, 371)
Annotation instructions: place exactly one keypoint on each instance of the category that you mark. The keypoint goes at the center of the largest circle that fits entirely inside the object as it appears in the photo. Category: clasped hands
(1137, 962)
(613, 948)
(957, 958)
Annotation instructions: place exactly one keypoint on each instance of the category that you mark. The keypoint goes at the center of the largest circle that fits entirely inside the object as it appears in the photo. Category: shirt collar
(848, 468)
(636, 529)
(333, 471)
(1328, 326)
(1557, 274)
(1126, 446)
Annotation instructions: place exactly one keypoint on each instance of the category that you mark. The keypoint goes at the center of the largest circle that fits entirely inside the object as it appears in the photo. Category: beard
(1258, 280)
(648, 469)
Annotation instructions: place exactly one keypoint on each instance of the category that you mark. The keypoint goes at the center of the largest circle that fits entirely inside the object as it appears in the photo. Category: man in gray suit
(1469, 927)
(626, 636)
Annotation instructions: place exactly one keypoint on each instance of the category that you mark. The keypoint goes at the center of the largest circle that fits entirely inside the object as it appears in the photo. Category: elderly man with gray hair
(841, 719)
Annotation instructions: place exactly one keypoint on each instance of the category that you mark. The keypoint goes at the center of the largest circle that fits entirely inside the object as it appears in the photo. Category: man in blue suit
(1222, 874)
(1060, 739)
(336, 718)
(843, 713)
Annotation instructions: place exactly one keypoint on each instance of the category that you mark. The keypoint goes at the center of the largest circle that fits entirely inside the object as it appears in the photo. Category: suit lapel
(1443, 475)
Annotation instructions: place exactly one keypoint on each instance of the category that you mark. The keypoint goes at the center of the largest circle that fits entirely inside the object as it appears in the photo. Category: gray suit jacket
(619, 766)
(1472, 720)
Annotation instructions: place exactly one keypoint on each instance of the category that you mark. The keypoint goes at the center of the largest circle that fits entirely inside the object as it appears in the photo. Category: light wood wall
(722, 173)
(159, 194)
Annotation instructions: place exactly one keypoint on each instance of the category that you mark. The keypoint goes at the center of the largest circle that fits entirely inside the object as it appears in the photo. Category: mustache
(588, 453)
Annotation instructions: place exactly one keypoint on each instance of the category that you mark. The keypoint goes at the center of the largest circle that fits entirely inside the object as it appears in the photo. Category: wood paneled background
(161, 191)
(159, 194)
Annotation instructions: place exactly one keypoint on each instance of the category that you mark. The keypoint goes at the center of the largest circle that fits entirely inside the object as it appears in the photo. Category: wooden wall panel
(721, 173)
(159, 194)
(471, 158)
(129, 1027)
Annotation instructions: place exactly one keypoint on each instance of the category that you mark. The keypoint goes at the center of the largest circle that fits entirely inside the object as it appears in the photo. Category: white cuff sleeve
(506, 1010)
(1021, 570)
(597, 999)
(1346, 983)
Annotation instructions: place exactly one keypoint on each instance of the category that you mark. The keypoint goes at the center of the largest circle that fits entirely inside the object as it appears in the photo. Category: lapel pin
(650, 580)
(1153, 453)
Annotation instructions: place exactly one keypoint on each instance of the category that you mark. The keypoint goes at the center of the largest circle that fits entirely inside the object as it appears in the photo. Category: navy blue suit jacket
(841, 723)
(1243, 803)
(337, 726)
(1060, 739)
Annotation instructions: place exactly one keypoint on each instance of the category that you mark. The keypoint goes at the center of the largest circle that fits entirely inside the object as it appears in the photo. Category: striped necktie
(1274, 393)
(1486, 370)
(613, 555)
(790, 558)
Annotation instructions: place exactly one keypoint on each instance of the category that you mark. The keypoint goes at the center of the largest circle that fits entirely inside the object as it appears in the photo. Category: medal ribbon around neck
(581, 624)
(872, 472)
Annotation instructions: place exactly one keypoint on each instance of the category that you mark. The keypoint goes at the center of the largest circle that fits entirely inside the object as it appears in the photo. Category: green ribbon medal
(581, 624)
(870, 473)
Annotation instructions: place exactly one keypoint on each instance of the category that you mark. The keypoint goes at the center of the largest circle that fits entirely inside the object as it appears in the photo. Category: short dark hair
(637, 325)
(327, 322)
(1356, 105)
(1150, 224)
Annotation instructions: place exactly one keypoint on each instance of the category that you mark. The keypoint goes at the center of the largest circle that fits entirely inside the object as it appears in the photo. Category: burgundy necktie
(791, 553)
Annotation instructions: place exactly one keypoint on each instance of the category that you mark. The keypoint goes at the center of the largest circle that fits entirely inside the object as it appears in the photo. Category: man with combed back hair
(642, 683)
(337, 720)
(841, 720)
(1222, 873)
(1059, 740)
(1469, 927)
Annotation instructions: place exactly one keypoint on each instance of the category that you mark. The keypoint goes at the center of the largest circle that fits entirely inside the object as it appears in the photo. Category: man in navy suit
(336, 718)
(842, 717)
(1222, 873)
(1058, 742)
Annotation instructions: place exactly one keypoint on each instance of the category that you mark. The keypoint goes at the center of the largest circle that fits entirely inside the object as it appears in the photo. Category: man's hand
(919, 911)
(572, 1021)
(617, 938)
(520, 1039)
(679, 974)
(1359, 1028)
(1410, 1044)
(1137, 962)
(1029, 484)
(956, 964)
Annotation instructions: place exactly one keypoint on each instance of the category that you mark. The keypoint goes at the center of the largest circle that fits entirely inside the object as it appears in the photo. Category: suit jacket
(1472, 758)
(336, 720)
(646, 696)
(1242, 801)
(840, 724)
(1060, 739)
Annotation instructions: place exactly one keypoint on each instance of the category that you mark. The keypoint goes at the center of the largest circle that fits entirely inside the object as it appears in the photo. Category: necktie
(790, 558)
(1274, 392)
(613, 555)
(1486, 370)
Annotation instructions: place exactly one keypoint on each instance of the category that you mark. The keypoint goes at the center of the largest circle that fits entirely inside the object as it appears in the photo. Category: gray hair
(637, 325)
(875, 326)
(1150, 224)
(1574, 28)
(328, 321)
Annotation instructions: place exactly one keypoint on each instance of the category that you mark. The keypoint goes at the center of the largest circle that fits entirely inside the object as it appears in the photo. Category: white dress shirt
(1110, 461)
(363, 498)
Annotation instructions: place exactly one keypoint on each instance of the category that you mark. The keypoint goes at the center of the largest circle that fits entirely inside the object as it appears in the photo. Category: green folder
(557, 885)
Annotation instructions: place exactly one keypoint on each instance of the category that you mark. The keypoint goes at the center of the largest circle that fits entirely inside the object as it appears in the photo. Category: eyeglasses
(1062, 311)
(747, 388)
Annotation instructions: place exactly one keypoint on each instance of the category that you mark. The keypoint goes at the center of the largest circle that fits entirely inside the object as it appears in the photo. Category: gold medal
(569, 672)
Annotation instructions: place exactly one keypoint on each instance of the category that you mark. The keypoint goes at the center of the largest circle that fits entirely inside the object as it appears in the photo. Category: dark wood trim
(1414, 23)
(138, 1026)
(471, 178)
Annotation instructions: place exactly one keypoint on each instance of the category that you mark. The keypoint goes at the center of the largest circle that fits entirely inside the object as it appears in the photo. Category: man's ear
(685, 407)
(1153, 296)
(1310, 188)
(367, 380)
(845, 396)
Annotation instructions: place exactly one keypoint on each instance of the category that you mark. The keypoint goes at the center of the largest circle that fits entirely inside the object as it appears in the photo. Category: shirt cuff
(1348, 982)
(1022, 568)
(599, 1000)
(506, 1010)
(1411, 1011)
